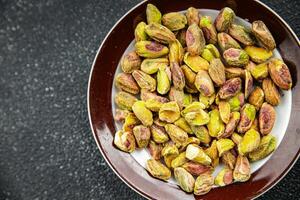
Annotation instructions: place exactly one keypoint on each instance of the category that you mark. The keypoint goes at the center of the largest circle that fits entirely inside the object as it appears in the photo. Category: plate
(130, 167)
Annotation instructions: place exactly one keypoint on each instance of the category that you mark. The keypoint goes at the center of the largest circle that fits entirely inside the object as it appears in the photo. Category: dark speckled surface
(46, 147)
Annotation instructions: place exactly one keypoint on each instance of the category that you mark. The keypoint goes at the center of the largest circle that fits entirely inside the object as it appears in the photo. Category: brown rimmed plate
(100, 105)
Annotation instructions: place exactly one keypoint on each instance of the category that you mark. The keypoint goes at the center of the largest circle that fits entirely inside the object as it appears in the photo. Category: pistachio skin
(151, 65)
(266, 147)
(204, 83)
(124, 141)
(266, 120)
(174, 21)
(195, 40)
(160, 33)
(145, 81)
(125, 100)
(127, 83)
(248, 113)
(280, 74)
(257, 97)
(263, 35)
(236, 57)
(203, 184)
(272, 95)
(140, 33)
(230, 88)
(241, 34)
(153, 14)
(225, 42)
(149, 49)
(224, 177)
(158, 170)
(224, 19)
(216, 71)
(192, 15)
(155, 150)
(142, 135)
(185, 180)
(250, 142)
(142, 113)
(209, 30)
(242, 171)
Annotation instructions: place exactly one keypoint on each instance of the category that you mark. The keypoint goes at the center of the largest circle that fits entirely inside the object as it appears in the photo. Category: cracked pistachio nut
(177, 135)
(236, 138)
(169, 112)
(163, 81)
(151, 65)
(236, 57)
(237, 102)
(266, 147)
(142, 113)
(189, 76)
(157, 169)
(224, 19)
(202, 134)
(177, 96)
(142, 135)
(196, 154)
(212, 152)
(241, 172)
(153, 14)
(187, 100)
(248, 113)
(169, 149)
(174, 21)
(263, 35)
(266, 119)
(153, 105)
(190, 140)
(185, 180)
(203, 183)
(209, 30)
(234, 72)
(182, 123)
(124, 141)
(195, 40)
(140, 33)
(225, 42)
(145, 81)
(248, 83)
(168, 160)
(230, 88)
(130, 122)
(195, 168)
(231, 125)
(149, 49)
(158, 122)
(127, 83)
(121, 114)
(224, 145)
(196, 63)
(229, 159)
(155, 150)
(258, 54)
(216, 71)
(159, 135)
(215, 125)
(210, 52)
(249, 143)
(206, 101)
(181, 37)
(125, 100)
(160, 33)
(224, 109)
(241, 34)
(130, 62)
(197, 118)
(224, 177)
(193, 107)
(146, 95)
(176, 52)
(179, 160)
(204, 83)
(192, 15)
(280, 73)
(259, 72)
(177, 76)
(272, 95)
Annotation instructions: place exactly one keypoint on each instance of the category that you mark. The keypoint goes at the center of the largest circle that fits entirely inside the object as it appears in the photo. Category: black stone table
(46, 147)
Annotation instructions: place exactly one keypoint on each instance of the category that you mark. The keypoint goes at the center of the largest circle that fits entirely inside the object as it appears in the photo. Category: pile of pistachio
(197, 93)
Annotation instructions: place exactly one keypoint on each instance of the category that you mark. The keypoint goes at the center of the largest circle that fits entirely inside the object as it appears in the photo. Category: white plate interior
(283, 110)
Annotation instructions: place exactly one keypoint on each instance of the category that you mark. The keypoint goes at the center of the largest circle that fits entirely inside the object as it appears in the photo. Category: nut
(176, 52)
(234, 72)
(224, 177)
(124, 141)
(155, 150)
(249, 143)
(231, 125)
(210, 52)
(177, 76)
(225, 42)
(189, 76)
(130, 62)
(212, 152)
(258, 54)
(195, 40)
(151, 65)
(142, 135)
(150, 49)
(130, 122)
(209, 30)
(263, 35)
(216, 71)
(159, 134)
(248, 83)
(197, 118)
(160, 33)
(190, 140)
(177, 96)
(202, 134)
(229, 159)
(125, 100)
(248, 113)
(153, 105)
(120, 115)
(142, 113)
(272, 95)
(230, 88)
(193, 107)
(237, 101)
(215, 125)
(168, 160)
(163, 81)
(255, 125)
(158, 170)
(224, 145)
(206, 101)
(169, 112)
(146, 95)
(242, 171)
(182, 123)
(259, 72)
(267, 115)
(127, 83)
(179, 160)
(140, 33)
(181, 37)
(266, 147)
(195, 168)
(280, 74)
(192, 15)
(257, 97)
(174, 21)
(169, 149)
(185, 180)
(145, 81)
(236, 138)
(196, 154)
(224, 19)
(153, 14)
(187, 100)
(203, 184)
(177, 135)
(241, 34)
(204, 83)
(236, 57)
(224, 109)
(196, 63)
